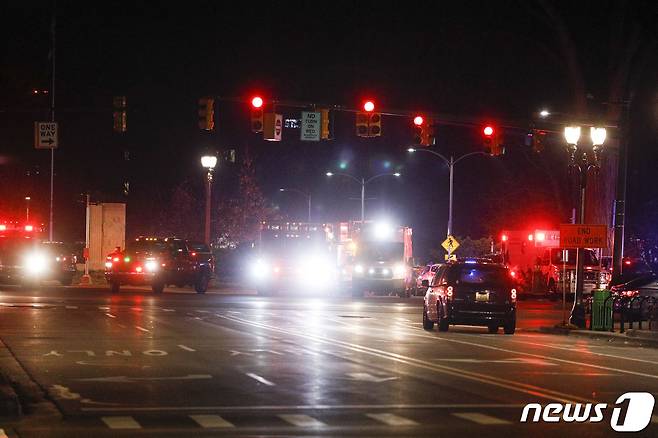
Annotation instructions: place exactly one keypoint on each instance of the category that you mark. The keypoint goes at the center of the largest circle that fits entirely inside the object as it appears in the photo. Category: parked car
(471, 292)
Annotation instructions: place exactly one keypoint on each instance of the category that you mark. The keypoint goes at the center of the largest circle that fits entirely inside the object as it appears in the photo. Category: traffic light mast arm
(445, 160)
(349, 176)
(379, 176)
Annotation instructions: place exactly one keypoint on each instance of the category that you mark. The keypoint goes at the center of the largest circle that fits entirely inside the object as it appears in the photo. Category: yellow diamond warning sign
(450, 244)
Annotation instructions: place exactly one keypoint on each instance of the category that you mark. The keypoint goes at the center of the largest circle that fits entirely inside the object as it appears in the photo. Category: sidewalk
(636, 337)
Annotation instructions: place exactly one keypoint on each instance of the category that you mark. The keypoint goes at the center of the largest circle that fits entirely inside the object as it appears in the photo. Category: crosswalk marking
(260, 379)
(392, 419)
(478, 418)
(301, 420)
(121, 422)
(209, 421)
(185, 347)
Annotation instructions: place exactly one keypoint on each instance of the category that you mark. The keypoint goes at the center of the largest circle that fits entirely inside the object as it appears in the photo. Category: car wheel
(115, 286)
(510, 327)
(493, 328)
(201, 283)
(157, 288)
(427, 323)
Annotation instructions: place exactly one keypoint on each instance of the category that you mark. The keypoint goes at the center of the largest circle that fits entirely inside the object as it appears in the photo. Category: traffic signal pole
(451, 164)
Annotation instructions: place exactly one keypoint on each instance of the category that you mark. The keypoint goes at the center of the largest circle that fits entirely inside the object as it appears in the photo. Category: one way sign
(45, 135)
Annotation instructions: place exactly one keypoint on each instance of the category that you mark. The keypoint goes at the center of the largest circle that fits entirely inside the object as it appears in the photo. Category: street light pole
(208, 162)
(451, 167)
(363, 183)
(306, 195)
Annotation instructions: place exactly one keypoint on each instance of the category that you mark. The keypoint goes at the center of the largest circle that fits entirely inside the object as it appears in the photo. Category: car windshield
(480, 275)
(557, 255)
(380, 251)
(146, 246)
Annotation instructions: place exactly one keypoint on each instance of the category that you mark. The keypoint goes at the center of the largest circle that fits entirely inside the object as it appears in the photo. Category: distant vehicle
(426, 273)
(645, 285)
(26, 260)
(158, 262)
(471, 293)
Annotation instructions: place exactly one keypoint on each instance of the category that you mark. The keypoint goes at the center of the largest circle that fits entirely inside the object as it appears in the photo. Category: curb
(631, 336)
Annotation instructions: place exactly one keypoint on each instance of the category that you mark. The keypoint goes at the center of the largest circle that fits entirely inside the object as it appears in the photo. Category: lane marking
(260, 379)
(110, 315)
(300, 407)
(142, 329)
(185, 347)
(169, 310)
(121, 423)
(478, 418)
(103, 308)
(392, 419)
(521, 387)
(301, 420)
(68, 307)
(209, 421)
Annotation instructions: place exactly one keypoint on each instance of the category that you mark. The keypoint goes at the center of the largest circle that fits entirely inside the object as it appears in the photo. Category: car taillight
(513, 295)
(138, 269)
(115, 259)
(449, 291)
(193, 254)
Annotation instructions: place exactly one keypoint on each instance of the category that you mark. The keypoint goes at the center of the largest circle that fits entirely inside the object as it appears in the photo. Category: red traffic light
(418, 120)
(488, 131)
(257, 102)
(369, 106)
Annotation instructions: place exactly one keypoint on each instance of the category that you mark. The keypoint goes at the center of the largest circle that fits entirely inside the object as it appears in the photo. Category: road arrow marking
(365, 377)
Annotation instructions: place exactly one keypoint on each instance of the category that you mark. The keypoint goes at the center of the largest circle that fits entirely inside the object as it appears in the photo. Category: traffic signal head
(368, 124)
(423, 131)
(326, 124)
(207, 114)
(492, 141)
(119, 114)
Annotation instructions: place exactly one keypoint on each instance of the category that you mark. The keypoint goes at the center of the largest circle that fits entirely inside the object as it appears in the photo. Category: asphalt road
(221, 364)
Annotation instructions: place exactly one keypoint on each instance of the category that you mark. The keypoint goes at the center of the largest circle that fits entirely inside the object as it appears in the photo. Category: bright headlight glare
(35, 263)
(399, 270)
(358, 269)
(151, 265)
(259, 269)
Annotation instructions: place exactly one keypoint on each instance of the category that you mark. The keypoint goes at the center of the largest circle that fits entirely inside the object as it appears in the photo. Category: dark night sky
(483, 61)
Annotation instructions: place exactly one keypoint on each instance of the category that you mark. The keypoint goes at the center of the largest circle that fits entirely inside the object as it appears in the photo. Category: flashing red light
(418, 120)
(257, 102)
(115, 259)
(193, 254)
(627, 262)
(29, 228)
(3, 227)
(488, 131)
(512, 273)
(531, 237)
(138, 269)
(369, 106)
(540, 237)
(504, 238)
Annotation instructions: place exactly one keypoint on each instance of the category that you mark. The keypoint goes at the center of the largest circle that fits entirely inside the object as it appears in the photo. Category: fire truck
(540, 265)
(332, 257)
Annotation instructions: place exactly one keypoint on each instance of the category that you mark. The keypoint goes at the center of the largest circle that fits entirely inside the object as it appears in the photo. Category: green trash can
(601, 310)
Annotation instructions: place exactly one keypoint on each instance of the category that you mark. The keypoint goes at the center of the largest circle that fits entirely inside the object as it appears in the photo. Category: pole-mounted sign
(45, 135)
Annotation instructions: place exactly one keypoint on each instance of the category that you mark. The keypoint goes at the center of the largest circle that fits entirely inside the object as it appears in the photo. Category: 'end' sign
(583, 236)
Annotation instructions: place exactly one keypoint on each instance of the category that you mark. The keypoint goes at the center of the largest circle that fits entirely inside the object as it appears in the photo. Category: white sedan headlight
(35, 263)
(259, 269)
(358, 269)
(151, 265)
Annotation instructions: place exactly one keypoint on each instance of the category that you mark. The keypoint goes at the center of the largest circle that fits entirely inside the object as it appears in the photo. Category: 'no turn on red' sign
(583, 236)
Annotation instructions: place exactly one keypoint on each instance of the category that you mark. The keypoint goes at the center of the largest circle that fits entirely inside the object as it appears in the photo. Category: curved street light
(363, 183)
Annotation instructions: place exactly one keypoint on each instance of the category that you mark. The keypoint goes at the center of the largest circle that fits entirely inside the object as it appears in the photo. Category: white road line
(142, 329)
(121, 422)
(110, 315)
(169, 310)
(299, 407)
(478, 418)
(209, 421)
(301, 420)
(68, 307)
(260, 379)
(392, 419)
(103, 308)
(185, 347)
